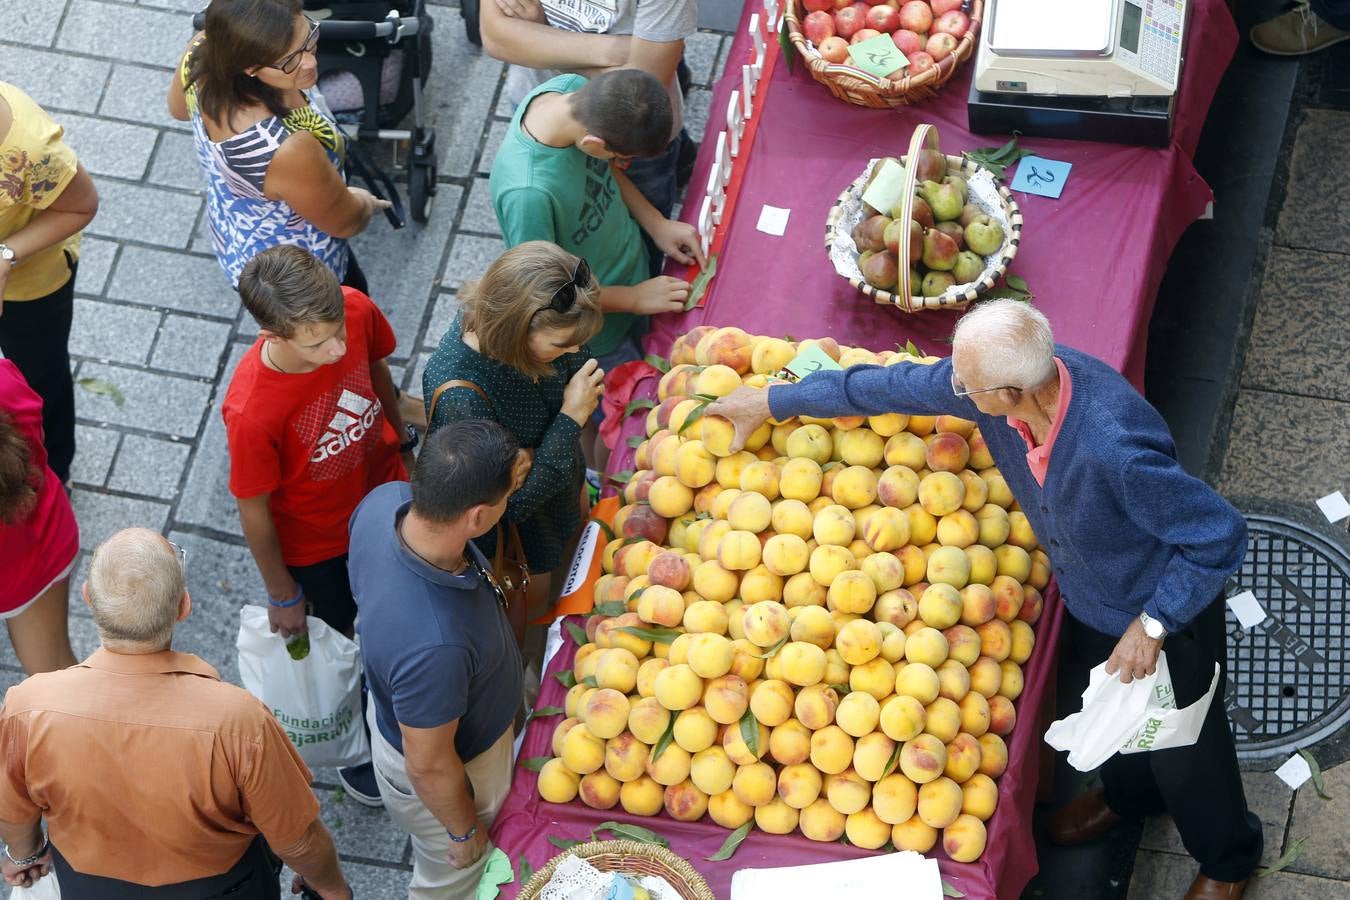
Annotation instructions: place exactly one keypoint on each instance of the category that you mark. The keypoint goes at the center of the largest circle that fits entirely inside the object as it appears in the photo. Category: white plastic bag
(317, 699)
(1128, 718)
(44, 888)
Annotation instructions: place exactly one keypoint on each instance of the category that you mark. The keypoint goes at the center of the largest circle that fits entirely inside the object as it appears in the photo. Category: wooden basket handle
(925, 138)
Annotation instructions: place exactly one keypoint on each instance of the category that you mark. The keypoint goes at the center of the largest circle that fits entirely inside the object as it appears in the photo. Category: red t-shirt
(318, 442)
(37, 549)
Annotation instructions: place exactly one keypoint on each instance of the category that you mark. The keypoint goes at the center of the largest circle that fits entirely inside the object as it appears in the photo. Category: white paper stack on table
(905, 874)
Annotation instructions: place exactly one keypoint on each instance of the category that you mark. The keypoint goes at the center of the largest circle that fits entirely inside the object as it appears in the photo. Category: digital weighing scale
(1102, 70)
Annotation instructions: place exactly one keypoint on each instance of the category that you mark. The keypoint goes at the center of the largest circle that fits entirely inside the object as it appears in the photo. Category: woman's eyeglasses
(291, 61)
(566, 296)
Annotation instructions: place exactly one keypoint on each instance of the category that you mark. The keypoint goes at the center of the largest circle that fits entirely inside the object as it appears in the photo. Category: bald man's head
(135, 588)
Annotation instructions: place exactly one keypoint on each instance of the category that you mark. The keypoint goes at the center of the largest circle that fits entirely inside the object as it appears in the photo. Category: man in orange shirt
(156, 779)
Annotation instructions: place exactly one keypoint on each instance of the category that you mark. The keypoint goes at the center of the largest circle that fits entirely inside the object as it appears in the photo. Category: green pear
(934, 283)
(969, 266)
(945, 200)
(920, 211)
(932, 165)
(915, 283)
(984, 235)
(968, 214)
(959, 183)
(939, 250)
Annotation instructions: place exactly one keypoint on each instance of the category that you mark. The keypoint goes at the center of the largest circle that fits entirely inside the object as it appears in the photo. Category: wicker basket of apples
(962, 231)
(935, 36)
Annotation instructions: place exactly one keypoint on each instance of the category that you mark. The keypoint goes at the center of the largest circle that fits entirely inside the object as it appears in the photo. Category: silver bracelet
(29, 860)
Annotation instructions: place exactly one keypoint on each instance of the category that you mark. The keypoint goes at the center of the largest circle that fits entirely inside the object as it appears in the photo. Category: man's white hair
(135, 583)
(1012, 341)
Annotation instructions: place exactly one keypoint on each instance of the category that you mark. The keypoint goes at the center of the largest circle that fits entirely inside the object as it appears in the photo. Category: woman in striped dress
(270, 149)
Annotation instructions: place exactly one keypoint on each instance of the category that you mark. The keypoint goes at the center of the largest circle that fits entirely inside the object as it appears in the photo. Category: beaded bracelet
(29, 860)
(459, 840)
(287, 604)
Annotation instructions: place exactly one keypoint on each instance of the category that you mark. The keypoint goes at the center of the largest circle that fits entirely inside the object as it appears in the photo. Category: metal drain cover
(1287, 677)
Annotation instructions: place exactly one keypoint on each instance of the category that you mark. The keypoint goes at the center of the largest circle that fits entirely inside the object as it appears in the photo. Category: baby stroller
(374, 59)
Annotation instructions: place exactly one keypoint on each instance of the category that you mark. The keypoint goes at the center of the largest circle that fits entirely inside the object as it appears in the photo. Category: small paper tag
(878, 56)
(1038, 175)
(886, 187)
(1334, 506)
(812, 360)
(773, 220)
(1294, 772)
(1247, 608)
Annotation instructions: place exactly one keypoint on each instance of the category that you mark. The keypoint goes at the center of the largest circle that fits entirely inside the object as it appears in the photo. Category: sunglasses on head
(566, 295)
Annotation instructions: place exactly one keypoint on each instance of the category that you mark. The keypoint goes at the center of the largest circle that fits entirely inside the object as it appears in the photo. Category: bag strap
(456, 383)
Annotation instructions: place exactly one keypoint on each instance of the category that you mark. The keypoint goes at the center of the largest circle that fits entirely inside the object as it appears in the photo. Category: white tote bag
(316, 699)
(1129, 718)
(44, 888)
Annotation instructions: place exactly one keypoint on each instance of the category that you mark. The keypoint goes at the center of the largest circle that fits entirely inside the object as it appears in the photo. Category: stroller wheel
(421, 191)
(469, 9)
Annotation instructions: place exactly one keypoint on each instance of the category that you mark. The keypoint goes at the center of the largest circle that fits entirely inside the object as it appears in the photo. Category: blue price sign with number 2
(1038, 175)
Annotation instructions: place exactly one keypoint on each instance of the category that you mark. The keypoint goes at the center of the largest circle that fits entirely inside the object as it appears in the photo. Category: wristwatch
(1152, 627)
(411, 443)
(8, 255)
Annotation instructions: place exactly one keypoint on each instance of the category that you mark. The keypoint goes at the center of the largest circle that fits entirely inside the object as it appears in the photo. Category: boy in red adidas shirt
(313, 426)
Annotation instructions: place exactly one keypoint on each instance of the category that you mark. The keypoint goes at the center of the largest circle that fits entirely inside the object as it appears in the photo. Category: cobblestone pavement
(155, 317)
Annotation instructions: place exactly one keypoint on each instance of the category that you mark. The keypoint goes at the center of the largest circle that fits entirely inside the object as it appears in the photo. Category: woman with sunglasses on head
(271, 150)
(39, 540)
(516, 354)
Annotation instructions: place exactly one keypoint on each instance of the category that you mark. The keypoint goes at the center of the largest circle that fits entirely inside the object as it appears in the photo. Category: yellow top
(35, 167)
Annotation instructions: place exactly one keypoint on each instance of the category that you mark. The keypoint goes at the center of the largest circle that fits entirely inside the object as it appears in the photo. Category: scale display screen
(1130, 26)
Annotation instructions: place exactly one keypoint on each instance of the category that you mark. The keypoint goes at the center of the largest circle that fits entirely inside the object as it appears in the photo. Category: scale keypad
(1160, 43)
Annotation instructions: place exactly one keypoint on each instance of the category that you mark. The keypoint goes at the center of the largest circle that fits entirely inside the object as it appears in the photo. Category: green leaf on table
(893, 761)
(750, 732)
(785, 44)
(610, 608)
(1006, 293)
(773, 651)
(1288, 859)
(657, 362)
(620, 477)
(566, 678)
(578, 634)
(656, 635)
(544, 712)
(949, 891)
(997, 159)
(1018, 283)
(103, 388)
(700, 284)
(525, 869)
(590, 681)
(563, 843)
(534, 763)
(635, 441)
(913, 350)
(694, 415)
(1316, 771)
(631, 832)
(731, 843)
(664, 741)
(635, 405)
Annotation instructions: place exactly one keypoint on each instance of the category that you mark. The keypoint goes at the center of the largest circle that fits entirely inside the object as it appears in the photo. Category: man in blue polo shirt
(440, 658)
(1141, 550)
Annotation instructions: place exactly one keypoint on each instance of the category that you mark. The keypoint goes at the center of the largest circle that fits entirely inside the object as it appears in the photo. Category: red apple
(817, 5)
(916, 15)
(864, 34)
(955, 23)
(883, 18)
(848, 22)
(834, 49)
(943, 6)
(818, 26)
(907, 42)
(919, 62)
(940, 45)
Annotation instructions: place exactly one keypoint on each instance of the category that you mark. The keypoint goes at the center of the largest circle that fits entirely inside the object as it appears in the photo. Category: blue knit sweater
(1126, 528)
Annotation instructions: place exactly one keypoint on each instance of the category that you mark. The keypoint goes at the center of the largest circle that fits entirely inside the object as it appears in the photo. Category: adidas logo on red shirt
(355, 416)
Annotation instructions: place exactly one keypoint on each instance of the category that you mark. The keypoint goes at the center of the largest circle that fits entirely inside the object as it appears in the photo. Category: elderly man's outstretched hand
(747, 408)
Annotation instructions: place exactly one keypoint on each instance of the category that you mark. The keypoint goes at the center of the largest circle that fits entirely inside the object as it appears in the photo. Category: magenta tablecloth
(1093, 258)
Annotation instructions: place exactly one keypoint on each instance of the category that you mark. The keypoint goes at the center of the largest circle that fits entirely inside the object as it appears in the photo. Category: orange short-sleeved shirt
(148, 768)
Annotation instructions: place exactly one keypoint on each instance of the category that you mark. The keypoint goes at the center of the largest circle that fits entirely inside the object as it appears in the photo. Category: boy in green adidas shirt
(559, 177)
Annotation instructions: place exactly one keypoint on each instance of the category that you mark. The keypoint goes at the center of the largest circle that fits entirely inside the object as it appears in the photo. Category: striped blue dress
(244, 221)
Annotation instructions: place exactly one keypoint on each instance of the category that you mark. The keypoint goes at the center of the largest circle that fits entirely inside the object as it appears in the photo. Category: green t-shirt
(560, 194)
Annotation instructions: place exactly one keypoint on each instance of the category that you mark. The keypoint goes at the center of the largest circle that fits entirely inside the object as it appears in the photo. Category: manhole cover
(1287, 676)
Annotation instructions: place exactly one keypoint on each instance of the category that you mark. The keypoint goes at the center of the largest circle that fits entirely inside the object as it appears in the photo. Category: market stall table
(1093, 258)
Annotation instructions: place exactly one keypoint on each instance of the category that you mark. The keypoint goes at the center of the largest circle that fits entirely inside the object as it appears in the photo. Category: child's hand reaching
(662, 294)
(680, 241)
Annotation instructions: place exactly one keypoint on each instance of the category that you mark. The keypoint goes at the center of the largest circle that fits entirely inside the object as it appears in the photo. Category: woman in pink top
(39, 540)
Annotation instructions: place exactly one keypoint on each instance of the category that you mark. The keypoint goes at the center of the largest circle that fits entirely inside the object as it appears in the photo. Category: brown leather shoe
(1203, 888)
(1084, 818)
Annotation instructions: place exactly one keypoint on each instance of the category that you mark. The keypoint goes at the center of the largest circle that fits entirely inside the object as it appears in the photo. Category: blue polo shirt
(1126, 528)
(436, 646)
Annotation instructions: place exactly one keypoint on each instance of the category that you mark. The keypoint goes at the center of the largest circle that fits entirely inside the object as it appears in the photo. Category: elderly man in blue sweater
(1141, 550)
